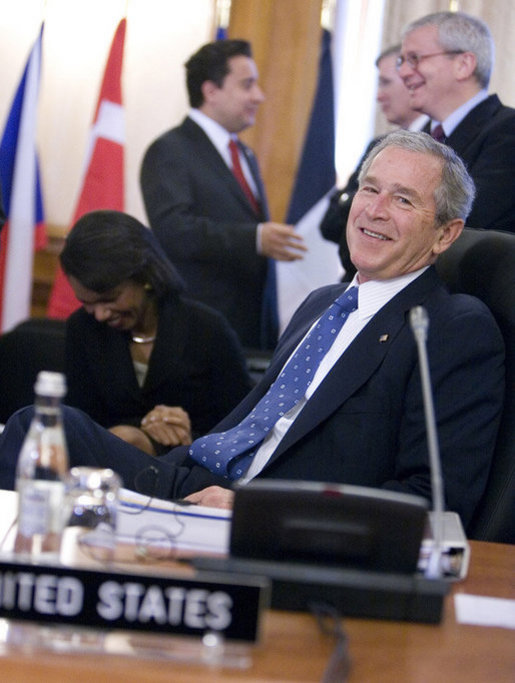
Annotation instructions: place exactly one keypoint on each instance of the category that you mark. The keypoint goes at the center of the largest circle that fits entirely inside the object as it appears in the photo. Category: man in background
(394, 100)
(392, 94)
(214, 227)
(446, 62)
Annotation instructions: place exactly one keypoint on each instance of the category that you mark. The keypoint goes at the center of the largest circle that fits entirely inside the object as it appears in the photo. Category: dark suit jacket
(206, 225)
(196, 363)
(365, 423)
(485, 140)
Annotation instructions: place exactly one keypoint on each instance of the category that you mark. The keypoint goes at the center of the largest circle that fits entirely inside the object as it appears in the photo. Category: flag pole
(327, 14)
(222, 18)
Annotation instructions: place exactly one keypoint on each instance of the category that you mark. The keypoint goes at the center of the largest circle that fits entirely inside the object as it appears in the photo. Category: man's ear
(208, 89)
(448, 234)
(465, 65)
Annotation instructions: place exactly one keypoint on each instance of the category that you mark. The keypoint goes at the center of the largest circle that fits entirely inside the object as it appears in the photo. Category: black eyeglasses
(414, 60)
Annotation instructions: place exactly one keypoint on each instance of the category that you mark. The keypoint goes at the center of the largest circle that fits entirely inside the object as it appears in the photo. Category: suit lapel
(466, 132)
(204, 150)
(115, 362)
(354, 368)
(168, 348)
(254, 169)
(208, 155)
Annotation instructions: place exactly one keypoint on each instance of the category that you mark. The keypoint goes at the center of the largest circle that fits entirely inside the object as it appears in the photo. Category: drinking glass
(90, 511)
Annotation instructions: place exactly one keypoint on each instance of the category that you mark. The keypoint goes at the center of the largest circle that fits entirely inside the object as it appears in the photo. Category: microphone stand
(419, 322)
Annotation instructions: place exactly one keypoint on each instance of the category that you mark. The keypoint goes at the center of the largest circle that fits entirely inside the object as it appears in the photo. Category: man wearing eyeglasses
(445, 62)
(394, 101)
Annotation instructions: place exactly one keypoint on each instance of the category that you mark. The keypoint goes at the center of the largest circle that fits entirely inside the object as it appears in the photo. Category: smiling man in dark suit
(218, 235)
(446, 63)
(360, 420)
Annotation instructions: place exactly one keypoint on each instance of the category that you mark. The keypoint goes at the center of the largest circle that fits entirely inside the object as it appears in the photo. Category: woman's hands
(168, 425)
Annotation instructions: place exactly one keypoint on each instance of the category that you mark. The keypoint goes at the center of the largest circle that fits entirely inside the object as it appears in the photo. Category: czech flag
(24, 230)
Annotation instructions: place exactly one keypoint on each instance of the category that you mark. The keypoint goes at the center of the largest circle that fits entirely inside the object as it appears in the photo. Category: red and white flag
(24, 229)
(103, 185)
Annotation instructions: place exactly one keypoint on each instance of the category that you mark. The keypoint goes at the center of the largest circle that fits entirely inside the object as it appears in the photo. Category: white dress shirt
(220, 138)
(419, 123)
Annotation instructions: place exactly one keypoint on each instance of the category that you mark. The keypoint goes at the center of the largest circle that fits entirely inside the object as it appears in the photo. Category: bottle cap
(50, 384)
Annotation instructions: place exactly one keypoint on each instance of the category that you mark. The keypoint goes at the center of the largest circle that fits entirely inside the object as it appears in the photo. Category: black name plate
(135, 602)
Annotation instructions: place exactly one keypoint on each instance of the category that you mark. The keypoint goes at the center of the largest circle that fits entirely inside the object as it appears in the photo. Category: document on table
(484, 611)
(195, 528)
(8, 512)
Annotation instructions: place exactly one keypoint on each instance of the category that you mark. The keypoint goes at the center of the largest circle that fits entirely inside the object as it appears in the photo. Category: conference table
(293, 648)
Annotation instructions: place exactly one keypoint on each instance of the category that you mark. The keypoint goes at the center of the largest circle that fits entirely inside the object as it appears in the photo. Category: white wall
(357, 36)
(161, 35)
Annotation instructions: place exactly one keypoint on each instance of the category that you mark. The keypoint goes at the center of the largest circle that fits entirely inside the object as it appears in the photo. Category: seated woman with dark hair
(154, 367)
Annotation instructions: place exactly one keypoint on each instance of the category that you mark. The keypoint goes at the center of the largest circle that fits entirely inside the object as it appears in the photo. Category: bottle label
(40, 507)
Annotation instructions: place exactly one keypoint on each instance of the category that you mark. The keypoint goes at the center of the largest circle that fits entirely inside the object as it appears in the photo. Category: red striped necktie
(240, 176)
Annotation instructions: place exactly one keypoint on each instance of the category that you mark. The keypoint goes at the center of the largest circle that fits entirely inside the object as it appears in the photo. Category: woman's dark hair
(106, 248)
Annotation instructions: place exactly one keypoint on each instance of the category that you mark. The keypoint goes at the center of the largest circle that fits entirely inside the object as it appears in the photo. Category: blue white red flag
(24, 230)
(103, 184)
(315, 178)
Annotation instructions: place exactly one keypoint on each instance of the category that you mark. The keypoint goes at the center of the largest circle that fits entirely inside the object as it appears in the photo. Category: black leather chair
(482, 263)
(33, 345)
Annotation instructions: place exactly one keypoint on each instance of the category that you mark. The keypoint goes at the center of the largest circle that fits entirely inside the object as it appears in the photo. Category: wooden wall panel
(285, 37)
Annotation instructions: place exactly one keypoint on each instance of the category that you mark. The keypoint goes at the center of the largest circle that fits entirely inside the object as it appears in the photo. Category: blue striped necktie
(229, 453)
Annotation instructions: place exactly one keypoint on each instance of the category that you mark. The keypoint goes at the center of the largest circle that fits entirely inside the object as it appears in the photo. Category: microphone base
(454, 547)
(353, 592)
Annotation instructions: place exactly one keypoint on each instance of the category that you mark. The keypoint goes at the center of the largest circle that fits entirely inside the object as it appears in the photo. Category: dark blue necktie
(229, 453)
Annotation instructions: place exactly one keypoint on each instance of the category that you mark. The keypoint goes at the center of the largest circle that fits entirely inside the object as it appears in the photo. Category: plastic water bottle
(42, 466)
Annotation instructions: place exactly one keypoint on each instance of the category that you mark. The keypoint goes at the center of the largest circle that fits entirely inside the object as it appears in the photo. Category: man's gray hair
(455, 194)
(461, 32)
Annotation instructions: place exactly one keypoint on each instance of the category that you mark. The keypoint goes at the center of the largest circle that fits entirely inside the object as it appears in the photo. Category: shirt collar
(419, 123)
(457, 116)
(375, 294)
(218, 135)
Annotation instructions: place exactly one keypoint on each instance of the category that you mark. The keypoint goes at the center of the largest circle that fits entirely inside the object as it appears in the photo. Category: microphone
(419, 321)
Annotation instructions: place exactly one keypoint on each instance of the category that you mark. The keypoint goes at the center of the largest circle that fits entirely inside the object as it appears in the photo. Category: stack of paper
(156, 523)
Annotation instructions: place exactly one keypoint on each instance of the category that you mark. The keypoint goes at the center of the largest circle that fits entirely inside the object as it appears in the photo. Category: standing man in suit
(360, 420)
(394, 100)
(217, 233)
(446, 63)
